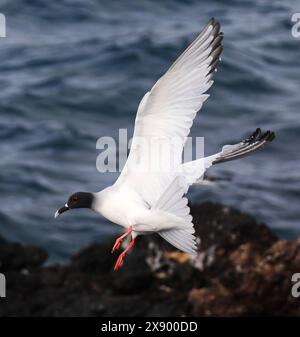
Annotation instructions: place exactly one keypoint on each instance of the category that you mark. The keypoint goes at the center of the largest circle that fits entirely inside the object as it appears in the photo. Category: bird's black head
(77, 200)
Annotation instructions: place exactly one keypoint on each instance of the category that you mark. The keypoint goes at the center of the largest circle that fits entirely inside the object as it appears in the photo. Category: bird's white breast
(118, 206)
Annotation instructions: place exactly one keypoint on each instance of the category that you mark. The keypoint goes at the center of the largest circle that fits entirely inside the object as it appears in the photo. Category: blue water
(74, 70)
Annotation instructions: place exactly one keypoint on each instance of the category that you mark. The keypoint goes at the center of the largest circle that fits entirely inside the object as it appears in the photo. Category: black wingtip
(216, 54)
(213, 67)
(215, 46)
(217, 27)
(257, 135)
(271, 136)
(254, 136)
(216, 42)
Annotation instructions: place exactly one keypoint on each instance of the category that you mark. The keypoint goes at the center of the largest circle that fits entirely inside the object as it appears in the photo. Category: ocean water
(74, 70)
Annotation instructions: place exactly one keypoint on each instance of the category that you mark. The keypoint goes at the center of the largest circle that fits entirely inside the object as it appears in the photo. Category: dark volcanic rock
(260, 284)
(227, 228)
(14, 256)
(133, 280)
(241, 269)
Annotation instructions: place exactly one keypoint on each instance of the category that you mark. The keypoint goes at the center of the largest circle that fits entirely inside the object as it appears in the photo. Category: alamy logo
(2, 285)
(147, 154)
(296, 26)
(2, 25)
(296, 285)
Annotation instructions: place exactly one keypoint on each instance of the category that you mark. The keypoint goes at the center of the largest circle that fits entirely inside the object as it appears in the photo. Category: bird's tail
(173, 203)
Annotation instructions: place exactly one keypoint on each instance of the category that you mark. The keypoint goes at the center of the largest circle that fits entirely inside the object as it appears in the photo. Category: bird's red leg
(119, 240)
(122, 255)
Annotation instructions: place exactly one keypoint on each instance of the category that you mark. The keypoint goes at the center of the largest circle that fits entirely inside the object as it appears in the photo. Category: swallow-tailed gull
(145, 199)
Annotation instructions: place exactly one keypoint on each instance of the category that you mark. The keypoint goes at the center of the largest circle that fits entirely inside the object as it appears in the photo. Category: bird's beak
(61, 210)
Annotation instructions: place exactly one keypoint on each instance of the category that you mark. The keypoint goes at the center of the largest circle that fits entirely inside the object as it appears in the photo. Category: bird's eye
(74, 199)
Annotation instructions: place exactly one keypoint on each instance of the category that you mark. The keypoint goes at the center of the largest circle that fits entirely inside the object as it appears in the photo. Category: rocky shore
(242, 269)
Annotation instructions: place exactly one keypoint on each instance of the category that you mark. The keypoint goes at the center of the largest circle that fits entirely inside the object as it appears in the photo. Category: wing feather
(166, 113)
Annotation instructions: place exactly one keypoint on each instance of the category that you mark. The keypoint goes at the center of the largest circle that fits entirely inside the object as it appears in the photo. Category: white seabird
(145, 200)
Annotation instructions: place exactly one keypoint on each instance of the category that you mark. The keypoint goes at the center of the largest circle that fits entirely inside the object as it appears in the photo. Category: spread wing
(166, 113)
